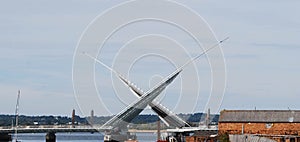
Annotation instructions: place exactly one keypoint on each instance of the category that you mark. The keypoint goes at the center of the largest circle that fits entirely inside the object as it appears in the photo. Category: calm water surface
(79, 137)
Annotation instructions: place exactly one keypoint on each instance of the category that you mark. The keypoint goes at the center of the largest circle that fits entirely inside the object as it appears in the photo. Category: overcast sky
(38, 40)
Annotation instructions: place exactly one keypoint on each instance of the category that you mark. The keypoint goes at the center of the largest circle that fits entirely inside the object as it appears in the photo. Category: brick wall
(260, 128)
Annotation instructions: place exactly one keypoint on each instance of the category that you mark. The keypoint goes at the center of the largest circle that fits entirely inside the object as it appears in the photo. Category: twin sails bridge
(116, 128)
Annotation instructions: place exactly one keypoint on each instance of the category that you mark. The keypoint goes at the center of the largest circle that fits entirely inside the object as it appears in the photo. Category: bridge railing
(50, 126)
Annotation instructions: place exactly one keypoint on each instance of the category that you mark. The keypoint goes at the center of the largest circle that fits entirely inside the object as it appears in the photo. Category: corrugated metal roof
(260, 116)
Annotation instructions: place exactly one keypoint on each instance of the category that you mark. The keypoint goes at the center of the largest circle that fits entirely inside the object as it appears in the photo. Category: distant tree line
(9, 120)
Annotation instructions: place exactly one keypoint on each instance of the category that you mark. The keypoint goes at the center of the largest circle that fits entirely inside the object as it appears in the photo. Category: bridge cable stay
(180, 68)
(204, 52)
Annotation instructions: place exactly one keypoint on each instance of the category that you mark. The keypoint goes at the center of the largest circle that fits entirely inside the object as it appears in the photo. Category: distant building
(279, 125)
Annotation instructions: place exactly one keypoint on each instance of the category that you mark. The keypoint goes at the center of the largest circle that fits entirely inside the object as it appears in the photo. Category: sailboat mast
(17, 114)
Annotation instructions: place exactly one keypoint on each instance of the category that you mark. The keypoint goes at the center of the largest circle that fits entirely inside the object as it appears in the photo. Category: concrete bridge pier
(5, 137)
(50, 137)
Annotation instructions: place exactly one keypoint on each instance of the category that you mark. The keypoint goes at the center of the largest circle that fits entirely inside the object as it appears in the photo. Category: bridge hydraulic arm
(128, 114)
(168, 117)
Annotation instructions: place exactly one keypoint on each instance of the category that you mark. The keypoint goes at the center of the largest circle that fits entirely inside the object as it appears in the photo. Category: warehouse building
(279, 125)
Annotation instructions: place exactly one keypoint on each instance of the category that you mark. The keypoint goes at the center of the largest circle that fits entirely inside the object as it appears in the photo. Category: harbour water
(80, 137)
